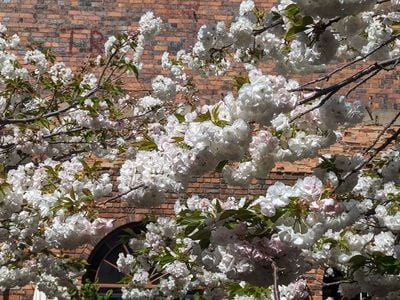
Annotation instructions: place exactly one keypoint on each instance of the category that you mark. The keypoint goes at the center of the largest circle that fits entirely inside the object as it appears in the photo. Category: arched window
(331, 286)
(102, 262)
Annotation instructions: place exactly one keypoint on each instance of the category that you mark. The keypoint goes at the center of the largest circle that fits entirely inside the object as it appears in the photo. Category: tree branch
(272, 25)
(382, 147)
(329, 75)
(366, 71)
(276, 286)
(48, 115)
(322, 102)
(382, 133)
(120, 195)
(362, 82)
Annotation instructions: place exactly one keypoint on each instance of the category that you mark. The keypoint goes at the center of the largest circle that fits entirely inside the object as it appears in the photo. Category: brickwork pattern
(212, 185)
(76, 29)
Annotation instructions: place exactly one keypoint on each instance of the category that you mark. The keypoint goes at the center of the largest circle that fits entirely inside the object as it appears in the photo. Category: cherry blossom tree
(56, 127)
(345, 217)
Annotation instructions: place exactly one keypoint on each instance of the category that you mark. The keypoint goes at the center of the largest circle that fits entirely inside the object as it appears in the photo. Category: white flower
(177, 269)
(89, 81)
(281, 122)
(109, 46)
(140, 276)
(149, 25)
(59, 73)
(2, 28)
(245, 7)
(38, 58)
(146, 105)
(164, 87)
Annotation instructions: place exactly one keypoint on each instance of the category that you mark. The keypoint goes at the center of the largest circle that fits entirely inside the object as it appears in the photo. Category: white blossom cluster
(52, 121)
(202, 138)
(149, 27)
(262, 98)
(357, 28)
(36, 215)
(38, 59)
(229, 254)
(309, 229)
(60, 74)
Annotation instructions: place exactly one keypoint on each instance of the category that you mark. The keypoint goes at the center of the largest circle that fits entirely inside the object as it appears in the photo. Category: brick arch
(102, 257)
(85, 251)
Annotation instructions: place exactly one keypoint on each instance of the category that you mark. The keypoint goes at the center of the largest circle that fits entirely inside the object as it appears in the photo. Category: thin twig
(62, 132)
(366, 71)
(48, 115)
(120, 195)
(329, 75)
(362, 82)
(388, 141)
(337, 282)
(58, 112)
(382, 133)
(322, 102)
(276, 286)
(272, 25)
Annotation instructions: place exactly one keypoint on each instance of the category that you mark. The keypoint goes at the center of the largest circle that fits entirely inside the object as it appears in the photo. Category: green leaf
(147, 144)
(165, 259)
(307, 20)
(44, 122)
(4, 187)
(190, 228)
(204, 117)
(87, 192)
(178, 139)
(181, 118)
(395, 26)
(204, 243)
(298, 24)
(197, 296)
(291, 10)
(239, 81)
(291, 33)
(185, 146)
(51, 172)
(227, 214)
(72, 194)
(276, 16)
(214, 113)
(218, 206)
(88, 136)
(108, 294)
(385, 264)
(221, 165)
(132, 68)
(357, 262)
(201, 234)
(279, 213)
(222, 123)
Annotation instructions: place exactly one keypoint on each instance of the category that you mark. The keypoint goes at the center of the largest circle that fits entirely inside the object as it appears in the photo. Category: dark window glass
(102, 262)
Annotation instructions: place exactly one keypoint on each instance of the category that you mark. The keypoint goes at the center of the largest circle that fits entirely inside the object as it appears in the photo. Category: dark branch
(366, 71)
(328, 76)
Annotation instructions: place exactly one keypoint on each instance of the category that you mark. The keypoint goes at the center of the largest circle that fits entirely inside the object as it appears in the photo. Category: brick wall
(212, 185)
(75, 29)
(78, 28)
